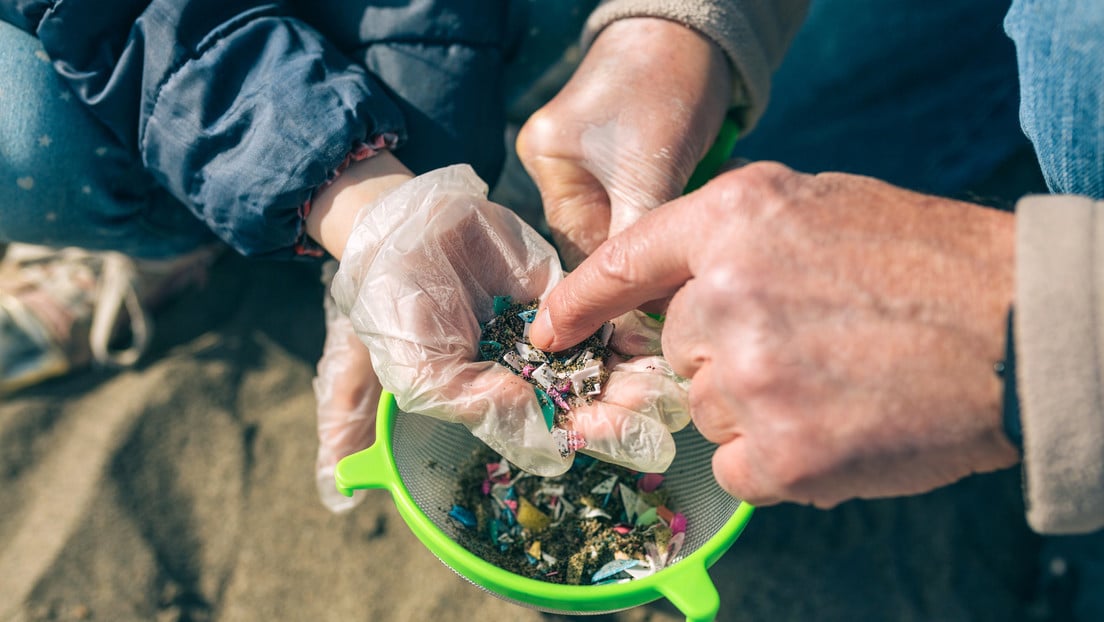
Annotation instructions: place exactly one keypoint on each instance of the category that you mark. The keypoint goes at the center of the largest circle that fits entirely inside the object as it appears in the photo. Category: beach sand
(183, 491)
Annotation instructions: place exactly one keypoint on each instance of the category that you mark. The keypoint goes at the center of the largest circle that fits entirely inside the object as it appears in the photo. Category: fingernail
(540, 333)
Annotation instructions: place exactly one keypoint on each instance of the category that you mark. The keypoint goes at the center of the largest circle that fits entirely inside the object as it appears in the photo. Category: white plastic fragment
(544, 376)
(605, 486)
(631, 501)
(579, 378)
(592, 512)
(530, 353)
(513, 360)
(607, 332)
(640, 571)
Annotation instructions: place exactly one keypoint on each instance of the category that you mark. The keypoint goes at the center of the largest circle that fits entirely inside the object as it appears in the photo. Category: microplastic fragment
(613, 567)
(463, 516)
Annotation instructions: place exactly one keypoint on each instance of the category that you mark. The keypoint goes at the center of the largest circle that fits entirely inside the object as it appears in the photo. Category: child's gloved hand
(420, 271)
(347, 392)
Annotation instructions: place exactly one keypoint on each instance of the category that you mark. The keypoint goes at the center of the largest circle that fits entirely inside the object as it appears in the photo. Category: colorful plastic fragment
(463, 516)
(592, 525)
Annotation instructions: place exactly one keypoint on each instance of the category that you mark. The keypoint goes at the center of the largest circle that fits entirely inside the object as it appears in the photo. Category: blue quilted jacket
(242, 108)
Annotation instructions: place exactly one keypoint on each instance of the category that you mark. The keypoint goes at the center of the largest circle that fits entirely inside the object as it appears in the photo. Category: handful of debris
(560, 379)
(596, 523)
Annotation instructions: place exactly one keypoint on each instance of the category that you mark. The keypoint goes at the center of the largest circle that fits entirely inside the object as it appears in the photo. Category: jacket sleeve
(1059, 336)
(754, 35)
(442, 61)
(239, 109)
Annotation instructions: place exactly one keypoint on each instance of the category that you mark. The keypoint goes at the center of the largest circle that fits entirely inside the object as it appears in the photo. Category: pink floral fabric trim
(360, 151)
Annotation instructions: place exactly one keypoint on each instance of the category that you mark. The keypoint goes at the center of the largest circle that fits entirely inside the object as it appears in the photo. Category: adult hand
(420, 271)
(840, 333)
(626, 132)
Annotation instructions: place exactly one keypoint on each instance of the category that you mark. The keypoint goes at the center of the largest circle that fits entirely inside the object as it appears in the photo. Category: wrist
(334, 208)
(688, 64)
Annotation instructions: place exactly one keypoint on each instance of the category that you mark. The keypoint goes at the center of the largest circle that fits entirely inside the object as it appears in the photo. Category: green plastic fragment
(647, 517)
(501, 303)
(490, 349)
(548, 408)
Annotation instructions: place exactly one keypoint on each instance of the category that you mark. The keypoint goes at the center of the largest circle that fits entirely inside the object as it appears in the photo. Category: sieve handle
(369, 468)
(688, 586)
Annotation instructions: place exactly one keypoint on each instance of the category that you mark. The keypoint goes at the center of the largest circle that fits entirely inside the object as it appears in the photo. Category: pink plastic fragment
(678, 523)
(649, 482)
(498, 472)
(556, 397)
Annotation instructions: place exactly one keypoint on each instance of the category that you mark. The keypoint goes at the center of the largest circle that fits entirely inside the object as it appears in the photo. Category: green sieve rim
(686, 583)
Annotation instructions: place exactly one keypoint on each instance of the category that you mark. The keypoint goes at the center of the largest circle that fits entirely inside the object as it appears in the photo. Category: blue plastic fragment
(490, 349)
(614, 567)
(583, 460)
(463, 516)
(548, 407)
(528, 315)
(501, 303)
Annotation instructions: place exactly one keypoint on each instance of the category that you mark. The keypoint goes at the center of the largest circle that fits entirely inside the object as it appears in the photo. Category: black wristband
(1010, 400)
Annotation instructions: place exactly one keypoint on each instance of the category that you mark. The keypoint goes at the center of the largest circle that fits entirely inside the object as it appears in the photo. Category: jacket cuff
(247, 165)
(754, 35)
(1059, 329)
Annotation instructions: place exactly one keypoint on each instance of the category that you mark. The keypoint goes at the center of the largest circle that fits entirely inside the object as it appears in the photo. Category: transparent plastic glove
(347, 392)
(641, 391)
(625, 133)
(419, 273)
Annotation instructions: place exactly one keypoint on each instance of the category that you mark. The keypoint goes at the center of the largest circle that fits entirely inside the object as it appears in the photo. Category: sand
(183, 491)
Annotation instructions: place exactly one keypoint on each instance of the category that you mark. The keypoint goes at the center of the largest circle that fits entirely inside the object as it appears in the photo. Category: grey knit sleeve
(1059, 334)
(754, 35)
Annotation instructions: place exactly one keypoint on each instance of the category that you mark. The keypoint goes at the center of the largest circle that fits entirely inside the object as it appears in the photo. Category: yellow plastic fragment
(529, 517)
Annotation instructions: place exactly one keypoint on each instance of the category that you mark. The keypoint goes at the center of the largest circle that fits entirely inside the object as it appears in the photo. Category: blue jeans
(1060, 44)
(64, 180)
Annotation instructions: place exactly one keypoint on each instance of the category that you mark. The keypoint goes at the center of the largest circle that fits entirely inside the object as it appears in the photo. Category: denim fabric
(64, 179)
(921, 94)
(1060, 45)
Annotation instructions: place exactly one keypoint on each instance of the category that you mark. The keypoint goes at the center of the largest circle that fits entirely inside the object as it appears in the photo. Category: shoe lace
(118, 290)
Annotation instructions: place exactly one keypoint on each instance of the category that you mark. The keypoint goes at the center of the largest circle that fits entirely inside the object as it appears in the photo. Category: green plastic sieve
(406, 460)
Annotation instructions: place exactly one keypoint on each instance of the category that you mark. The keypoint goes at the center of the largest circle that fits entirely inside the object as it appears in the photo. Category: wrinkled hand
(420, 271)
(626, 132)
(839, 333)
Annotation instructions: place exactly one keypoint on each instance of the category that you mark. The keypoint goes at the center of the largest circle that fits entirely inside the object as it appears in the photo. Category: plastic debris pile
(597, 523)
(560, 379)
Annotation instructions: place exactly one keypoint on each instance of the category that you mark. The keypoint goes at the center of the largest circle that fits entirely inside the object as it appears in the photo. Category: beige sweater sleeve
(754, 34)
(1059, 339)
